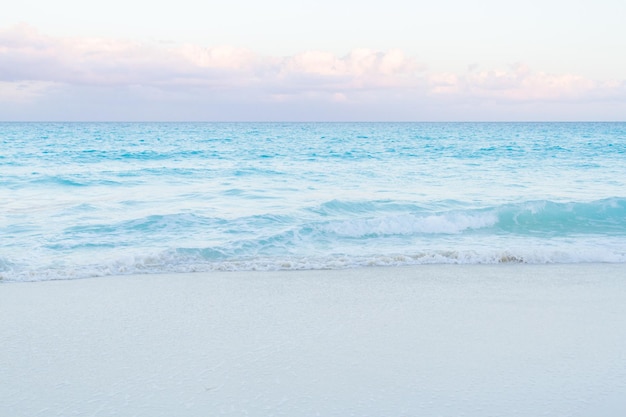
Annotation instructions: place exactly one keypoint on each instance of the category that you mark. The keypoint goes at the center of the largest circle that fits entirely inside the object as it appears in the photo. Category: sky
(330, 60)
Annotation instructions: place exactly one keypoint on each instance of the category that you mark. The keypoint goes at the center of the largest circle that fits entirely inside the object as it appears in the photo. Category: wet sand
(444, 340)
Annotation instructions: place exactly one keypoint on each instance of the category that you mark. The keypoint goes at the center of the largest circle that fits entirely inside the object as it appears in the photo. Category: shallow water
(95, 199)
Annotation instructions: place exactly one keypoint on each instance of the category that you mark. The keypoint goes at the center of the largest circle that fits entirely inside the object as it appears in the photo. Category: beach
(426, 340)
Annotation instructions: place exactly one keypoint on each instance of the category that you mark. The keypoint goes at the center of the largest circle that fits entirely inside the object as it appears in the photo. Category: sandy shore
(502, 340)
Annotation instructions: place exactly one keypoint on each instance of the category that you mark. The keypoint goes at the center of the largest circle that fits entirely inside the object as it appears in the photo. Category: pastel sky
(279, 60)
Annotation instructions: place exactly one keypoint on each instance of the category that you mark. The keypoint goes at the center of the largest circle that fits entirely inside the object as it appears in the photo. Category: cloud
(358, 63)
(25, 91)
(27, 55)
(34, 66)
(519, 83)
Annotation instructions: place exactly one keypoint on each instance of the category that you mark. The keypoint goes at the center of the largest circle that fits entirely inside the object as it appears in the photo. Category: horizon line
(313, 121)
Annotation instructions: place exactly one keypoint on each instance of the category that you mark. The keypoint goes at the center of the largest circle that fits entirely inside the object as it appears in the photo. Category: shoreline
(446, 340)
(437, 268)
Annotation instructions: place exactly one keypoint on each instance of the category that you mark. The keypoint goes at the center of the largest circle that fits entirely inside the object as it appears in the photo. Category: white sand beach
(441, 340)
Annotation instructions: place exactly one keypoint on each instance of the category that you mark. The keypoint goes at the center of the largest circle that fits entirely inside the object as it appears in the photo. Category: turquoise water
(96, 199)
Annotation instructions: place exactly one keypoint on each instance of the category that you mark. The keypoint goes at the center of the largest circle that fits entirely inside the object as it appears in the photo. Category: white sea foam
(408, 224)
(171, 261)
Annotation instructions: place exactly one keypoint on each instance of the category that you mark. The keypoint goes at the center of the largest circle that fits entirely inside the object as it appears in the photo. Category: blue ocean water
(95, 199)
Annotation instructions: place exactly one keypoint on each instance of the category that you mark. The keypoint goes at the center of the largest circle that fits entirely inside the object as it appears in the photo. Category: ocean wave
(541, 217)
(606, 216)
(336, 234)
(383, 217)
(409, 224)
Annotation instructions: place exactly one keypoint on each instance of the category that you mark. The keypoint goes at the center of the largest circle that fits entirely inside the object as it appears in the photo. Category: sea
(82, 200)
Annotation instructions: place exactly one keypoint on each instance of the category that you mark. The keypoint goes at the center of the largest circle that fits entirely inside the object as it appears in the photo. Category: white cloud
(225, 57)
(28, 55)
(25, 91)
(34, 66)
(519, 83)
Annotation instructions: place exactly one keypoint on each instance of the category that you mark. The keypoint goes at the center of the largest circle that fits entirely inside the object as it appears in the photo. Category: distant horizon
(318, 121)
